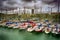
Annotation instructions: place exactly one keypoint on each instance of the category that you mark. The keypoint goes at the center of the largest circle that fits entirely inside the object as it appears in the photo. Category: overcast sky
(29, 3)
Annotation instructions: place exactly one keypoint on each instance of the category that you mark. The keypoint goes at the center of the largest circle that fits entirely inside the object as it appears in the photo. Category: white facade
(21, 11)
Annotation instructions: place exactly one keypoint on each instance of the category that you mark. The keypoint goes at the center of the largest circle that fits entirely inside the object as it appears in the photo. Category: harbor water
(16, 34)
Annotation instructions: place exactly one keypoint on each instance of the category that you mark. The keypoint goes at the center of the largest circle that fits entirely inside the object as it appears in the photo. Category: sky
(13, 4)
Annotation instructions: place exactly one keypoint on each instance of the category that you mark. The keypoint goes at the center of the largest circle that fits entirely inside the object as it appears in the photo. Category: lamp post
(1, 10)
(6, 13)
(6, 10)
(24, 9)
(34, 5)
(33, 9)
(40, 9)
(58, 5)
(19, 10)
(58, 8)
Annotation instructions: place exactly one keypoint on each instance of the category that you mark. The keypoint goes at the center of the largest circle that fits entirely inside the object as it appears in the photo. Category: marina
(30, 25)
(29, 19)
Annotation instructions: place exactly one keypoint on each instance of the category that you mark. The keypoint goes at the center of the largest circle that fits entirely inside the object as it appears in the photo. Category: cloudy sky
(12, 4)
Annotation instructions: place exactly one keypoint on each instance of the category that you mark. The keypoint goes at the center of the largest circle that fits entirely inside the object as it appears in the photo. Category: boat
(55, 30)
(23, 26)
(47, 30)
(39, 28)
(16, 25)
(59, 30)
(30, 29)
(11, 26)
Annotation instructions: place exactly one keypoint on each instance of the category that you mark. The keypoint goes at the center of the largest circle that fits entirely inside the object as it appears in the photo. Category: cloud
(18, 3)
(27, 0)
(1, 1)
(10, 3)
(51, 1)
(27, 3)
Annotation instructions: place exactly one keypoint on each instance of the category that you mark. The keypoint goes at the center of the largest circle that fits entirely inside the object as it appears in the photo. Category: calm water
(14, 34)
